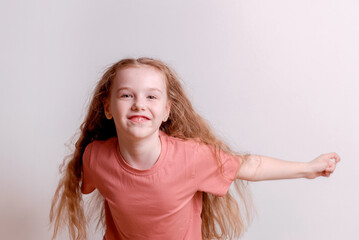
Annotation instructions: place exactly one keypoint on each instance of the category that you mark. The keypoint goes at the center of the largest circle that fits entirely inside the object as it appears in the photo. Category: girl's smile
(138, 118)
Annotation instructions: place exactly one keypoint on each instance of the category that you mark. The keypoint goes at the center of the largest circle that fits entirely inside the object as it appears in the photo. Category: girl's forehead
(140, 75)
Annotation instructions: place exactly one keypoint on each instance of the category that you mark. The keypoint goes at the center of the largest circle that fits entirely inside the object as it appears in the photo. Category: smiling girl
(160, 171)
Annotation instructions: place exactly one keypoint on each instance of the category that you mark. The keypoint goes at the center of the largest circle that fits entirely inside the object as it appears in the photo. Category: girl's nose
(138, 105)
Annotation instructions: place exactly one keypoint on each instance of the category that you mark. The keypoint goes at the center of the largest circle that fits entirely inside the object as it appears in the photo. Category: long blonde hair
(222, 217)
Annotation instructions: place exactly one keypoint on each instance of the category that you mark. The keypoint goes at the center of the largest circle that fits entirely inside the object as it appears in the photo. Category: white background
(277, 78)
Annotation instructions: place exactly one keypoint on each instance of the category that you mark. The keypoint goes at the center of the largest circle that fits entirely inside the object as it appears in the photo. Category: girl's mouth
(138, 118)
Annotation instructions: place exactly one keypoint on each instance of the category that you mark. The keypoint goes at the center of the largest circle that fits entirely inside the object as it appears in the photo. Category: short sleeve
(87, 185)
(210, 176)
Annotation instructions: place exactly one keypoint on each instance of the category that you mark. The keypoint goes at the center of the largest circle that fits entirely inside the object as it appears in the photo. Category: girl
(161, 172)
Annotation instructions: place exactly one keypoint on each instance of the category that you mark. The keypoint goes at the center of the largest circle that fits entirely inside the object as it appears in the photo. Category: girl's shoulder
(101, 145)
(180, 143)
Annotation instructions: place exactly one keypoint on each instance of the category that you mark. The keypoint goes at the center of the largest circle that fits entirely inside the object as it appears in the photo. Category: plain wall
(277, 78)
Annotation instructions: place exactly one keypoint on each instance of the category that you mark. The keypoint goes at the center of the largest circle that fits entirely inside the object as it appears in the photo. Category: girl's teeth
(139, 119)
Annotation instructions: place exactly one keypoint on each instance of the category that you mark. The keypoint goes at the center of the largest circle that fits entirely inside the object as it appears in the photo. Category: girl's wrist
(309, 171)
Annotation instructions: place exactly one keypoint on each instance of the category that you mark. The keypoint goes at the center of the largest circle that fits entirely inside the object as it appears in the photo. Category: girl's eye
(152, 97)
(126, 95)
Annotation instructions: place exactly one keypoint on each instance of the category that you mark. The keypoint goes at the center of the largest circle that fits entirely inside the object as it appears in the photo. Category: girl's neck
(141, 154)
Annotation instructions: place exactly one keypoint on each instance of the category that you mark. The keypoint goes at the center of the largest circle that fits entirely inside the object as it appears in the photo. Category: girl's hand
(324, 165)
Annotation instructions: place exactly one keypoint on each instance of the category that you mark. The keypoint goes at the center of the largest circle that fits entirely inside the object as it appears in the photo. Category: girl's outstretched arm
(258, 168)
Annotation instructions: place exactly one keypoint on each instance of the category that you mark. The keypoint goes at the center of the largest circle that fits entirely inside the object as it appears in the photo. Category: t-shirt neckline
(127, 167)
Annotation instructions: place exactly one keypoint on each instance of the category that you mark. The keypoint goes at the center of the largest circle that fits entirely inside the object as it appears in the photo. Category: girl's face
(138, 102)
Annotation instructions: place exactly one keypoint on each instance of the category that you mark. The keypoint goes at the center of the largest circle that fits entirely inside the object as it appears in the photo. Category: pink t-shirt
(162, 202)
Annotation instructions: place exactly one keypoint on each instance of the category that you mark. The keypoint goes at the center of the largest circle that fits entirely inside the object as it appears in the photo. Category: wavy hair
(222, 217)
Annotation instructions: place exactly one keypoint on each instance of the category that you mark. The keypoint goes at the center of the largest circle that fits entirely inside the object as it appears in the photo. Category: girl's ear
(106, 106)
(168, 110)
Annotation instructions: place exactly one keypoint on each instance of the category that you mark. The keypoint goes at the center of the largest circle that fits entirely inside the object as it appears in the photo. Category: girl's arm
(258, 168)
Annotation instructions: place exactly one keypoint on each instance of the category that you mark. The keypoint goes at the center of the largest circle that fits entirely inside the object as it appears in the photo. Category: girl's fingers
(330, 169)
(334, 156)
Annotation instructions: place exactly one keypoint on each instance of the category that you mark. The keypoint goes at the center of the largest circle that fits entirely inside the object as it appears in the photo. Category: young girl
(160, 170)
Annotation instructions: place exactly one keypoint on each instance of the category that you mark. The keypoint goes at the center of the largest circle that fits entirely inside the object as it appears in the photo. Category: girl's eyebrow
(155, 89)
(123, 88)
